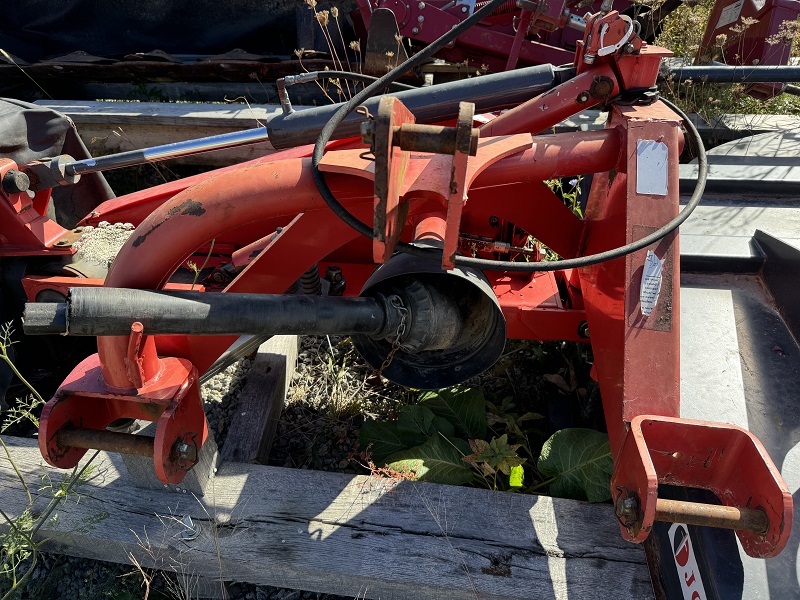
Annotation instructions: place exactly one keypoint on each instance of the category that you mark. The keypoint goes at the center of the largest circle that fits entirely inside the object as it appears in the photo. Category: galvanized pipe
(711, 515)
(167, 151)
(110, 441)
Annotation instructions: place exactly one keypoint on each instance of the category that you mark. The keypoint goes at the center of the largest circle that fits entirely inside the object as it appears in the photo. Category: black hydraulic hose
(478, 263)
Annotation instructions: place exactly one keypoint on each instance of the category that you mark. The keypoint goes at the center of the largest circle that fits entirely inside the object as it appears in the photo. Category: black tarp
(29, 132)
(34, 30)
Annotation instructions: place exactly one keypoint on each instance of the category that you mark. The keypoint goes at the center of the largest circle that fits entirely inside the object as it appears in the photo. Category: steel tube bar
(110, 441)
(167, 151)
(711, 515)
(725, 74)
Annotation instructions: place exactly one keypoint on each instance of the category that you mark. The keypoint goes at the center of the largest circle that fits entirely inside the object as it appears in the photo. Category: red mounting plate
(725, 459)
(390, 168)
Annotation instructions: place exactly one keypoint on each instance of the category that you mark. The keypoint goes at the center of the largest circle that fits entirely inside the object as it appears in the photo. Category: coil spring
(310, 282)
(506, 7)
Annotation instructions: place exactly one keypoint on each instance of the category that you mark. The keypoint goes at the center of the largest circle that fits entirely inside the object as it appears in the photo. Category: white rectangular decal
(686, 563)
(730, 14)
(651, 283)
(651, 167)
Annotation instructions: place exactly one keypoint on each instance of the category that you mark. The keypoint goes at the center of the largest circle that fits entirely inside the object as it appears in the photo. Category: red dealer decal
(685, 563)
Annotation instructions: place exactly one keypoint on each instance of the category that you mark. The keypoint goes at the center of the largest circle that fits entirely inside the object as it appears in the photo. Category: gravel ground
(59, 577)
(221, 397)
(331, 393)
(100, 245)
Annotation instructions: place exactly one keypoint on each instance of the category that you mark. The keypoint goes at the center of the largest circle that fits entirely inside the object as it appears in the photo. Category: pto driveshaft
(112, 311)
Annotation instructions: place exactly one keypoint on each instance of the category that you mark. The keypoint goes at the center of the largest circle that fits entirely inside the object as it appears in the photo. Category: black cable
(479, 263)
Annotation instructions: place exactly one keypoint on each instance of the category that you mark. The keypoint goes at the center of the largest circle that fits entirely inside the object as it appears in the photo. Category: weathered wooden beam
(357, 536)
(253, 427)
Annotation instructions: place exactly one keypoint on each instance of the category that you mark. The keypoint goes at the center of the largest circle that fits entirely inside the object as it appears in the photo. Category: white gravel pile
(100, 245)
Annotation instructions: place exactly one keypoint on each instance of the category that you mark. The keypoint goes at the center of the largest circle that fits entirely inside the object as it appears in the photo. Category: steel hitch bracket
(724, 459)
(392, 136)
(167, 393)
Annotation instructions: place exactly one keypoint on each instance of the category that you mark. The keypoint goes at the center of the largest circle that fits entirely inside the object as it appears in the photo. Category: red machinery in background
(526, 32)
(438, 308)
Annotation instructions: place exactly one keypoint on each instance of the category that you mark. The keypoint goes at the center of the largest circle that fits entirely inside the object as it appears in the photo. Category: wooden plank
(141, 472)
(253, 427)
(182, 114)
(357, 536)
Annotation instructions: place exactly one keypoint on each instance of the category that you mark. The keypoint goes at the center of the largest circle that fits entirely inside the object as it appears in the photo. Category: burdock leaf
(436, 461)
(383, 438)
(580, 462)
(465, 408)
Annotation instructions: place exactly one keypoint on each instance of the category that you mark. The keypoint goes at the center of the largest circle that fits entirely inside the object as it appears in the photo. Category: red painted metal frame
(390, 168)
(26, 229)
(171, 397)
(508, 38)
(636, 355)
(727, 39)
(722, 458)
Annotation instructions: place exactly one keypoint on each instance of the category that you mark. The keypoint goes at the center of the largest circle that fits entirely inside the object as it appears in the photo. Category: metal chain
(401, 330)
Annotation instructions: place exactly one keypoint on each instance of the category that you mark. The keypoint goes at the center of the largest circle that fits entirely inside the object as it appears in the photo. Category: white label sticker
(651, 167)
(686, 563)
(651, 283)
(730, 14)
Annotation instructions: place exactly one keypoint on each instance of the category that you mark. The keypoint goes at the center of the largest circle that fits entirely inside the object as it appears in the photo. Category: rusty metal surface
(390, 169)
(435, 139)
(110, 441)
(712, 515)
(459, 183)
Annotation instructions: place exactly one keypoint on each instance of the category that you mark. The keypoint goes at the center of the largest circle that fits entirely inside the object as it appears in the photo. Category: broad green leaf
(580, 462)
(384, 438)
(517, 477)
(436, 461)
(465, 408)
(415, 425)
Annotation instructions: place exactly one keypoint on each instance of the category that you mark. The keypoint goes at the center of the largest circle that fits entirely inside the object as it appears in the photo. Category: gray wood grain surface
(261, 400)
(357, 536)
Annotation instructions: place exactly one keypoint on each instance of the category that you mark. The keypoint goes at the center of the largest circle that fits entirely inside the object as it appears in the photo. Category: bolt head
(463, 9)
(421, 19)
(415, 30)
(421, 5)
(16, 182)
